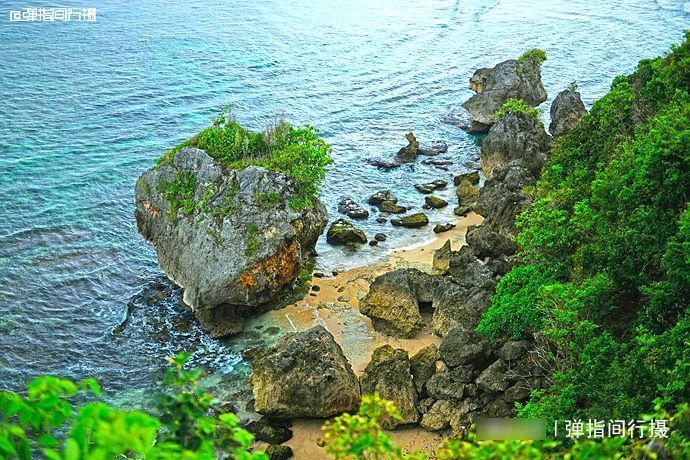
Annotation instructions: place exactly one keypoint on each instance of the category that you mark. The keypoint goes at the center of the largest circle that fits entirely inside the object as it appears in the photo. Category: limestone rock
(432, 148)
(416, 220)
(516, 136)
(408, 154)
(493, 378)
(423, 367)
(382, 195)
(389, 374)
(216, 237)
(435, 202)
(278, 452)
(342, 232)
(440, 228)
(494, 86)
(352, 209)
(566, 111)
(441, 260)
(472, 177)
(463, 347)
(467, 192)
(393, 301)
(391, 207)
(304, 375)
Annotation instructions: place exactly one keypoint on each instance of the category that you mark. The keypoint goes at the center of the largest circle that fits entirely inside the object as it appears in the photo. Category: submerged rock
(432, 148)
(352, 209)
(435, 202)
(253, 243)
(566, 111)
(379, 197)
(389, 374)
(304, 375)
(519, 79)
(342, 232)
(391, 207)
(393, 301)
(416, 220)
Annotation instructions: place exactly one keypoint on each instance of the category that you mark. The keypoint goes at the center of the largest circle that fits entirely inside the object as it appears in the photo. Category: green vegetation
(299, 153)
(605, 246)
(534, 56)
(179, 192)
(572, 87)
(190, 425)
(268, 200)
(251, 239)
(518, 106)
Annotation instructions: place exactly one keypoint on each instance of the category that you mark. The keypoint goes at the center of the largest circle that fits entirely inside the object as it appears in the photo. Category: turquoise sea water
(86, 107)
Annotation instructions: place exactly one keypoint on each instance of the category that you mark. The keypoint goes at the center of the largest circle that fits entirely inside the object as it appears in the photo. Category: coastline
(335, 305)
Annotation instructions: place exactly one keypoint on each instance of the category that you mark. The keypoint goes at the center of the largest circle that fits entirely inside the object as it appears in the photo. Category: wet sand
(335, 305)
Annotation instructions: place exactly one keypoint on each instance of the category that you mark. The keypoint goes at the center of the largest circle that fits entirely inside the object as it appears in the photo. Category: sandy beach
(335, 304)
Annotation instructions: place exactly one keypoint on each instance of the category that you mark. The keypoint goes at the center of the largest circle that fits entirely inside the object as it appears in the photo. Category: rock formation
(389, 374)
(229, 238)
(342, 232)
(518, 79)
(304, 375)
(566, 111)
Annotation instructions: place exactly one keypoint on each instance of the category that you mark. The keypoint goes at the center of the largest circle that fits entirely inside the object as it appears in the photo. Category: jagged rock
(382, 195)
(304, 375)
(447, 385)
(462, 209)
(435, 202)
(432, 148)
(272, 432)
(380, 237)
(566, 111)
(278, 452)
(463, 346)
(516, 136)
(389, 374)
(252, 253)
(440, 228)
(493, 378)
(416, 220)
(342, 232)
(391, 207)
(438, 417)
(423, 367)
(494, 86)
(512, 350)
(471, 177)
(408, 154)
(441, 260)
(467, 192)
(517, 392)
(393, 301)
(351, 209)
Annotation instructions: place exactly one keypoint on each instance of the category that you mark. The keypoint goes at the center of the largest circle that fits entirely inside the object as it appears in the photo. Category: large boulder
(343, 232)
(229, 238)
(423, 367)
(566, 111)
(304, 375)
(389, 374)
(517, 136)
(416, 220)
(393, 301)
(517, 79)
(408, 154)
(462, 346)
(352, 209)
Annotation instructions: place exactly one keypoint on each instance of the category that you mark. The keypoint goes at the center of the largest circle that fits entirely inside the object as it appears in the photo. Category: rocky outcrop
(435, 202)
(517, 136)
(343, 232)
(441, 261)
(408, 154)
(253, 243)
(393, 301)
(432, 148)
(566, 111)
(304, 375)
(389, 374)
(423, 367)
(441, 228)
(431, 186)
(352, 209)
(416, 220)
(518, 79)
(471, 177)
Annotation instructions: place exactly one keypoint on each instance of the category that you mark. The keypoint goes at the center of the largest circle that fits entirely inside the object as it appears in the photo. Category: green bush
(297, 152)
(534, 56)
(518, 106)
